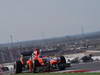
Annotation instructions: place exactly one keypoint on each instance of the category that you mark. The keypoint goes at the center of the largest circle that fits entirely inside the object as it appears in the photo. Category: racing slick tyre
(62, 63)
(18, 66)
(36, 65)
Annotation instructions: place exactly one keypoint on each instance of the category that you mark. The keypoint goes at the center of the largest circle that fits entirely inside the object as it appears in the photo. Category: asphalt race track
(85, 66)
(82, 67)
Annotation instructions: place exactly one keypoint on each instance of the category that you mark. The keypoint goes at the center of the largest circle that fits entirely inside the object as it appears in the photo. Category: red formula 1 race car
(34, 62)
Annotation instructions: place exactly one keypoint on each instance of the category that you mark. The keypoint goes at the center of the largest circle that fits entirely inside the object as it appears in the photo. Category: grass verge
(58, 74)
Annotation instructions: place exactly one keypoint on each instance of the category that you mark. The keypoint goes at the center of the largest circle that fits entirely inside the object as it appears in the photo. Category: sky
(39, 19)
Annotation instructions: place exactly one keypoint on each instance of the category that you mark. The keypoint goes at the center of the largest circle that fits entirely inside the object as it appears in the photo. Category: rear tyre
(62, 63)
(36, 65)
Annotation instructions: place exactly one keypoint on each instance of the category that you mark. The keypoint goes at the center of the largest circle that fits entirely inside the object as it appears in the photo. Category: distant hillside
(93, 35)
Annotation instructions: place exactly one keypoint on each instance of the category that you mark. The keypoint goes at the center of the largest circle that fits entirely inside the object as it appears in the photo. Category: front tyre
(18, 66)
